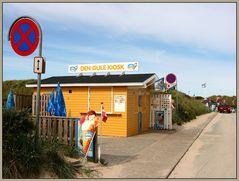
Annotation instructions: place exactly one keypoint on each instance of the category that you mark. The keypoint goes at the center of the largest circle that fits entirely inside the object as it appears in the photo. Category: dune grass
(188, 107)
(24, 158)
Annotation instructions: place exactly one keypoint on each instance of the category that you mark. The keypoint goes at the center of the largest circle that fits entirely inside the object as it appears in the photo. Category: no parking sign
(171, 80)
(24, 36)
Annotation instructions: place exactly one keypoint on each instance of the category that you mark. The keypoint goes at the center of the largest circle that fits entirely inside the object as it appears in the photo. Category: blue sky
(196, 41)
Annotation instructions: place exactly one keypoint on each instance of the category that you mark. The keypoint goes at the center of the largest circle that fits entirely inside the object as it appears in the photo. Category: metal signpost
(24, 35)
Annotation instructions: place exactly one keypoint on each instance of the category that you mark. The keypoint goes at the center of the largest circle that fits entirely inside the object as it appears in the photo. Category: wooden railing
(44, 99)
(60, 128)
(22, 101)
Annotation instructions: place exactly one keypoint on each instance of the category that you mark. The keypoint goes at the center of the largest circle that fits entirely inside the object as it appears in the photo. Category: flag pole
(100, 145)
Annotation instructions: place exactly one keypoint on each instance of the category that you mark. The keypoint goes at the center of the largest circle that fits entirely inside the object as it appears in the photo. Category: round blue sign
(24, 36)
(171, 78)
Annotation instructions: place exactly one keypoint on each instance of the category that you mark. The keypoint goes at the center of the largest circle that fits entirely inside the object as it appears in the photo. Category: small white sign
(39, 65)
(104, 67)
(119, 103)
(171, 85)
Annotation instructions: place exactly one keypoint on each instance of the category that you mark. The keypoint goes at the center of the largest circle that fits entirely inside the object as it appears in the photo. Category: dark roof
(130, 78)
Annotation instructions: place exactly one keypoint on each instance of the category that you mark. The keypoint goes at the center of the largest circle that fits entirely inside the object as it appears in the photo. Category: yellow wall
(133, 109)
(118, 123)
(77, 104)
(98, 95)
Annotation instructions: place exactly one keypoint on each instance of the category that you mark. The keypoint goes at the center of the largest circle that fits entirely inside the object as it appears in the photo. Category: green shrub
(18, 86)
(23, 158)
(176, 118)
(58, 165)
(20, 154)
(188, 107)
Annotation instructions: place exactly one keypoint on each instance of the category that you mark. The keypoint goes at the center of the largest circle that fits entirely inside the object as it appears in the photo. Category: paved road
(213, 154)
(150, 155)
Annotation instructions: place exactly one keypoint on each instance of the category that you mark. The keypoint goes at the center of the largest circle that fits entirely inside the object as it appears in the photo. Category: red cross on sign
(24, 36)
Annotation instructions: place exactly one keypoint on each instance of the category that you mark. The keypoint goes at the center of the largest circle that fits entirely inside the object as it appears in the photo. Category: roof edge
(88, 84)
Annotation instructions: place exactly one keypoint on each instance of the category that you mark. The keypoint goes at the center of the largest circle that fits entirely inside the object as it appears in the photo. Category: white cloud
(219, 74)
(203, 25)
(191, 72)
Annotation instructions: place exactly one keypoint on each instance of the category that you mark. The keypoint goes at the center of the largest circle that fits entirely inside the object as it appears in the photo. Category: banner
(104, 67)
(159, 84)
(79, 141)
(159, 120)
(86, 131)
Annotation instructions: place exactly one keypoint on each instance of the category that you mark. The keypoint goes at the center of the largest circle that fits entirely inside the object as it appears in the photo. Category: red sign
(171, 78)
(24, 36)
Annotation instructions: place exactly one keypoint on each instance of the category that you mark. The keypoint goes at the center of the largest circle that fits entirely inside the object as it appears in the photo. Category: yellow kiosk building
(125, 97)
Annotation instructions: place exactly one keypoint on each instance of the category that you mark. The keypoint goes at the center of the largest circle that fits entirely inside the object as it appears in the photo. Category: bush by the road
(23, 157)
(188, 107)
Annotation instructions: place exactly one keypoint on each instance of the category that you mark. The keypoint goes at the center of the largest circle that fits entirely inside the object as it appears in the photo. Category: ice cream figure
(89, 124)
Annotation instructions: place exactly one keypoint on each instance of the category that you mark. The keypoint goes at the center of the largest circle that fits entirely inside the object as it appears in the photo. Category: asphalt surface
(213, 154)
(151, 155)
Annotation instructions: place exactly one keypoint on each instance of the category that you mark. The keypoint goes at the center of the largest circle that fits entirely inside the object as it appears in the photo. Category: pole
(177, 96)
(38, 105)
(99, 153)
(38, 91)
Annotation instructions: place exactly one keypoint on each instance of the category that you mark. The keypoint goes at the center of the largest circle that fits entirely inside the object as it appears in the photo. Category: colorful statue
(88, 123)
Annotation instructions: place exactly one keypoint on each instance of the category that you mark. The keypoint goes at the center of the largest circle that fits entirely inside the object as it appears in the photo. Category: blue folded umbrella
(51, 103)
(10, 100)
(60, 108)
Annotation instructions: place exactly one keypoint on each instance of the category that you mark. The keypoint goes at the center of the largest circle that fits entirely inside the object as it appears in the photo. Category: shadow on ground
(112, 160)
(160, 131)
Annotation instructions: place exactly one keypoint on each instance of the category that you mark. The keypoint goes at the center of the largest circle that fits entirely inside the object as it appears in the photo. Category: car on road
(224, 108)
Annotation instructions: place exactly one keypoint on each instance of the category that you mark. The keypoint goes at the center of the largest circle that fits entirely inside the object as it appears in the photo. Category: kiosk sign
(104, 67)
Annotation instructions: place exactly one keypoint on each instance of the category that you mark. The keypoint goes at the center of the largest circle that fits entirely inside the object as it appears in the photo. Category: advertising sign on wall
(160, 85)
(159, 120)
(119, 103)
(104, 67)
